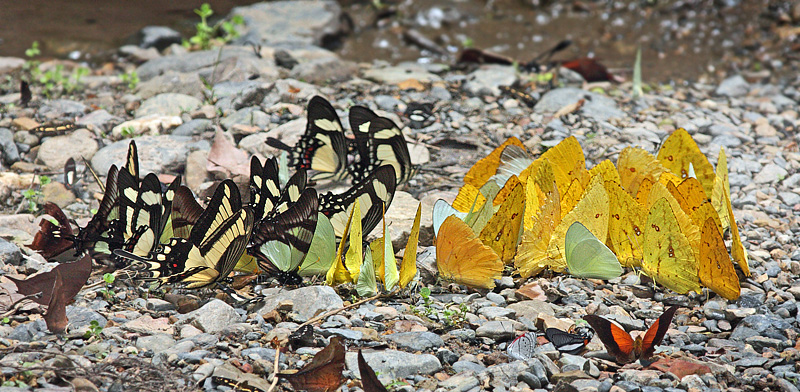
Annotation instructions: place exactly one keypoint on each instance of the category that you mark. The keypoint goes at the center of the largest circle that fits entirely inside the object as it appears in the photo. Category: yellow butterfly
(715, 268)
(463, 258)
(502, 231)
(408, 267)
(347, 270)
(668, 255)
(532, 250)
(721, 200)
(626, 223)
(636, 165)
(679, 151)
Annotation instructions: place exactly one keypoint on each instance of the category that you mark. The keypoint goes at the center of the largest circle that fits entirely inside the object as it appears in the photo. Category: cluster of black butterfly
(163, 233)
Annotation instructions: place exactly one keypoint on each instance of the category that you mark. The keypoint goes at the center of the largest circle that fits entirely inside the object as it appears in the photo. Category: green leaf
(637, 74)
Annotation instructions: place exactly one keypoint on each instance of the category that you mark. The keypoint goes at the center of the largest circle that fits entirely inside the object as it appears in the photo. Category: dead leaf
(567, 109)
(73, 275)
(369, 380)
(324, 372)
(224, 157)
(68, 281)
(680, 367)
(590, 69)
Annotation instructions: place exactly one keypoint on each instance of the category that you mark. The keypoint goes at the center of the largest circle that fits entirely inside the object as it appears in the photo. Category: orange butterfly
(621, 344)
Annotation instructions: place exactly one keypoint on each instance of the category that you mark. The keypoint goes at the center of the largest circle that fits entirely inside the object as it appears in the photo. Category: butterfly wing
(379, 142)
(185, 212)
(264, 186)
(463, 258)
(588, 257)
(53, 239)
(373, 193)
(522, 347)
(566, 342)
(655, 334)
(668, 255)
(618, 342)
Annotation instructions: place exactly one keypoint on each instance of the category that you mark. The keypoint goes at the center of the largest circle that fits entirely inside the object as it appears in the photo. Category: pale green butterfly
(367, 285)
(588, 257)
(322, 250)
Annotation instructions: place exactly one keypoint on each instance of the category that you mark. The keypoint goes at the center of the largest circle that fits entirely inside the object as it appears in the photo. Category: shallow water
(679, 39)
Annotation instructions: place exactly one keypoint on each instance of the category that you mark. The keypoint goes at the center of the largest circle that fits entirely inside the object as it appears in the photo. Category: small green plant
(637, 75)
(207, 35)
(131, 79)
(127, 131)
(44, 180)
(14, 384)
(94, 330)
(544, 77)
(468, 43)
(6, 320)
(33, 51)
(32, 197)
(451, 315)
(107, 292)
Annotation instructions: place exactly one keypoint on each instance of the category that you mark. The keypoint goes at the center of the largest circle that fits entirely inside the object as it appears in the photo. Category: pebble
(212, 317)
(55, 151)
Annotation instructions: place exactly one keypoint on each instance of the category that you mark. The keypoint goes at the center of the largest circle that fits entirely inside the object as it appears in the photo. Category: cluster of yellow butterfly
(665, 214)
(365, 266)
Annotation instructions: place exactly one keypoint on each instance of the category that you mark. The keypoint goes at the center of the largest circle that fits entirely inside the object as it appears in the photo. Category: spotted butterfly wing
(373, 193)
(379, 141)
(522, 347)
(280, 242)
(323, 147)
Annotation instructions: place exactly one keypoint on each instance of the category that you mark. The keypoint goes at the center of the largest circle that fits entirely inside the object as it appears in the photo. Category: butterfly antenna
(94, 174)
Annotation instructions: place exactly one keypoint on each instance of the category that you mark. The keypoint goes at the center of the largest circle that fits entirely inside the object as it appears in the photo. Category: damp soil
(680, 40)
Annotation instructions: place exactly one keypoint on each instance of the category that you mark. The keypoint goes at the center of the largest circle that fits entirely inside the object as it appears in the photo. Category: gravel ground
(133, 338)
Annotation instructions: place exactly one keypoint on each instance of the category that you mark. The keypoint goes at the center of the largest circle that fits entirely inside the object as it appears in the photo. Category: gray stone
(233, 96)
(264, 353)
(8, 64)
(59, 108)
(324, 70)
(55, 151)
(530, 379)
(10, 253)
(186, 83)
(760, 343)
(251, 116)
(159, 37)
(289, 133)
(530, 309)
(159, 305)
(488, 79)
(507, 373)
(100, 120)
(734, 86)
(399, 73)
(446, 356)
(169, 104)
(395, 364)
(789, 198)
(211, 317)
(415, 341)
(155, 343)
(289, 23)
(497, 330)
(770, 173)
(8, 149)
(596, 106)
(468, 366)
(497, 312)
(194, 127)
(496, 298)
(157, 154)
(166, 356)
(463, 334)
(138, 55)
(726, 141)
(325, 299)
(231, 63)
(343, 332)
(460, 382)
(27, 332)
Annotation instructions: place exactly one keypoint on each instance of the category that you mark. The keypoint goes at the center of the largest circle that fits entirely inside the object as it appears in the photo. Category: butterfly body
(622, 345)
(569, 343)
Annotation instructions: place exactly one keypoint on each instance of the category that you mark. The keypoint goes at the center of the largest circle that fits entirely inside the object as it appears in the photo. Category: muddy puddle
(680, 40)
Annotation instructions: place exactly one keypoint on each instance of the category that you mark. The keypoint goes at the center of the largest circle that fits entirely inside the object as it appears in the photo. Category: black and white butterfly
(570, 343)
(323, 147)
(379, 142)
(216, 242)
(374, 194)
(419, 114)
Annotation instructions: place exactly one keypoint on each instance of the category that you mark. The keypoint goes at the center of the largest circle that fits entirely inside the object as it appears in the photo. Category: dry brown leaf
(224, 157)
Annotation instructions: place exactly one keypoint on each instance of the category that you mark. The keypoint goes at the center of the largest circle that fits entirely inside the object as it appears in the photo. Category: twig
(332, 312)
(275, 377)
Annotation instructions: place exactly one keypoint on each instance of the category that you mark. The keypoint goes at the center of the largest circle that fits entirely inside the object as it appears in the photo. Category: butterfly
(374, 193)
(324, 372)
(420, 114)
(144, 212)
(70, 173)
(240, 386)
(463, 258)
(635, 165)
(323, 147)
(280, 242)
(715, 268)
(569, 343)
(721, 200)
(679, 151)
(217, 241)
(266, 196)
(621, 344)
(522, 347)
(53, 129)
(587, 256)
(379, 141)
